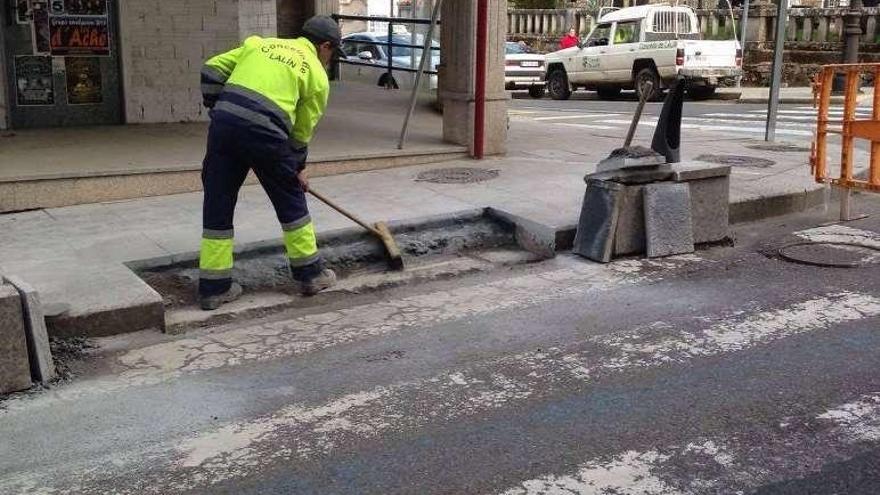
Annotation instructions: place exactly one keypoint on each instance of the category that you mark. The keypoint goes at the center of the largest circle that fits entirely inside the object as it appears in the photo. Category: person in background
(569, 40)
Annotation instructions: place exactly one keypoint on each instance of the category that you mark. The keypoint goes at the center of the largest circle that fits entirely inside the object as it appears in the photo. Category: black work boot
(210, 303)
(322, 281)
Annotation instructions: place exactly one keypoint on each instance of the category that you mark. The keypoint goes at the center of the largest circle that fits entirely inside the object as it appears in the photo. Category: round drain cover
(737, 160)
(830, 254)
(457, 175)
(778, 147)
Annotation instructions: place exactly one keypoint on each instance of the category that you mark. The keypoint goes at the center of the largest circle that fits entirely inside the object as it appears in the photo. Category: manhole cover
(779, 147)
(457, 175)
(737, 160)
(830, 254)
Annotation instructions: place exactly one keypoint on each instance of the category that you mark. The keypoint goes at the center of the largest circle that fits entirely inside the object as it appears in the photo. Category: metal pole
(744, 24)
(427, 54)
(776, 79)
(853, 31)
(389, 51)
(480, 84)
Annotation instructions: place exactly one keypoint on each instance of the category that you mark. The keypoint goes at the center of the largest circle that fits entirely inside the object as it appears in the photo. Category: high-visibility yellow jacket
(278, 85)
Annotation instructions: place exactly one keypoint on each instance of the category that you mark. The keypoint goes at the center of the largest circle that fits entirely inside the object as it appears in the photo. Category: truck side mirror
(365, 55)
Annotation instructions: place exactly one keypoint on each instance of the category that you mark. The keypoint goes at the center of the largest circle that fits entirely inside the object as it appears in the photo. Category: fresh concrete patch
(435, 247)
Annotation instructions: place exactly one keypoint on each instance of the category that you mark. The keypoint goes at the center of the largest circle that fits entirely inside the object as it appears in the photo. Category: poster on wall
(79, 35)
(34, 84)
(83, 80)
(82, 7)
(23, 11)
(40, 28)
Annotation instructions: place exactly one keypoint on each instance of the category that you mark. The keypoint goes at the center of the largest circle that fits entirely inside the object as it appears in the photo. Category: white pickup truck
(649, 43)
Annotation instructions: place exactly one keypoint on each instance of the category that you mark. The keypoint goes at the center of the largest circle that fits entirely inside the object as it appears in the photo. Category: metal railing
(390, 44)
(849, 127)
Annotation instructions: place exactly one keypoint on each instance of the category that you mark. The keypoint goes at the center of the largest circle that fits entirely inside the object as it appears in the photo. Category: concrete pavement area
(78, 255)
(361, 121)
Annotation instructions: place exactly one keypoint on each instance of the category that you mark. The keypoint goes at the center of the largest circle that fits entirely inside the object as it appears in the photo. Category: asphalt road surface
(727, 371)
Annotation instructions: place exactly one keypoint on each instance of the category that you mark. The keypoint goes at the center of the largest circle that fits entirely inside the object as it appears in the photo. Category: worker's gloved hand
(303, 178)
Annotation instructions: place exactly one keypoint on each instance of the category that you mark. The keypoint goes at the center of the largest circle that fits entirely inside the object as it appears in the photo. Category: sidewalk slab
(66, 166)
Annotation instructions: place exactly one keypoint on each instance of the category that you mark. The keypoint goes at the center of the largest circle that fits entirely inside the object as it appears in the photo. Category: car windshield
(516, 48)
(406, 39)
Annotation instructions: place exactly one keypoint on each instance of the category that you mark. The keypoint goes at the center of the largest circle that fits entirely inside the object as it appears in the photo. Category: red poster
(79, 35)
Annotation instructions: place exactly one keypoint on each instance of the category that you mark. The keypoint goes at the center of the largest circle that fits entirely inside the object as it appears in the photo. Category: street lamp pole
(853, 31)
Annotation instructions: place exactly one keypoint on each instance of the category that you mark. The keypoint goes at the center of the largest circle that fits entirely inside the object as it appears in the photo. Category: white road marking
(628, 473)
(724, 128)
(592, 126)
(814, 113)
(860, 420)
(575, 117)
(761, 118)
(841, 234)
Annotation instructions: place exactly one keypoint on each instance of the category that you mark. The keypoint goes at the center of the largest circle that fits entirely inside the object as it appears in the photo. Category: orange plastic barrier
(848, 126)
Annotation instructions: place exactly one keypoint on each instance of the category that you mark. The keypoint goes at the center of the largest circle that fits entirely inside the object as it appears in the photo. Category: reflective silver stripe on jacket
(264, 102)
(251, 116)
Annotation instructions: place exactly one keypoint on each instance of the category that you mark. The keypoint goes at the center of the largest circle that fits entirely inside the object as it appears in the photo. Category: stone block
(668, 225)
(688, 171)
(39, 353)
(530, 235)
(598, 220)
(710, 209)
(630, 237)
(15, 372)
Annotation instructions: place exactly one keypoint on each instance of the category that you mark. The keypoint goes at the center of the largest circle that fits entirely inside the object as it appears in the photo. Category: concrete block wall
(165, 42)
(257, 17)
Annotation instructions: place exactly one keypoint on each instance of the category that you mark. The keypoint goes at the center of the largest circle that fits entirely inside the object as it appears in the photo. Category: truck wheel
(608, 92)
(701, 92)
(557, 85)
(536, 91)
(644, 76)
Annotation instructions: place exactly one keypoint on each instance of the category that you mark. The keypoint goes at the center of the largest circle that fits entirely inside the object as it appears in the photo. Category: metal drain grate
(779, 147)
(737, 160)
(457, 175)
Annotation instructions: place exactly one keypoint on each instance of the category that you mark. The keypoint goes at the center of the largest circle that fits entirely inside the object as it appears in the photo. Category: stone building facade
(101, 62)
(119, 61)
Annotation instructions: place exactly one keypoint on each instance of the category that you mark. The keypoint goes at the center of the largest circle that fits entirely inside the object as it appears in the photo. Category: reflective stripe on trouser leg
(215, 262)
(302, 249)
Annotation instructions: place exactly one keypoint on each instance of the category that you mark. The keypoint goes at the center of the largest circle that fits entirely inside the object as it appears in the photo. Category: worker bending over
(266, 97)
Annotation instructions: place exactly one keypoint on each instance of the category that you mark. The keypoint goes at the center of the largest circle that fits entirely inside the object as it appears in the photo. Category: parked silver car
(372, 59)
(524, 69)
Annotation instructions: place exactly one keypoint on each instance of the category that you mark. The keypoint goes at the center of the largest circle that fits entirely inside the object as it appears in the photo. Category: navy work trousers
(234, 148)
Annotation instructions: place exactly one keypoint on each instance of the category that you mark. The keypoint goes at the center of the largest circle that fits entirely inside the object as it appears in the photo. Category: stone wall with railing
(813, 37)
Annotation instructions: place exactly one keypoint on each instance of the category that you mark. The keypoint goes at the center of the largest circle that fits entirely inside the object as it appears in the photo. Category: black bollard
(667, 135)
